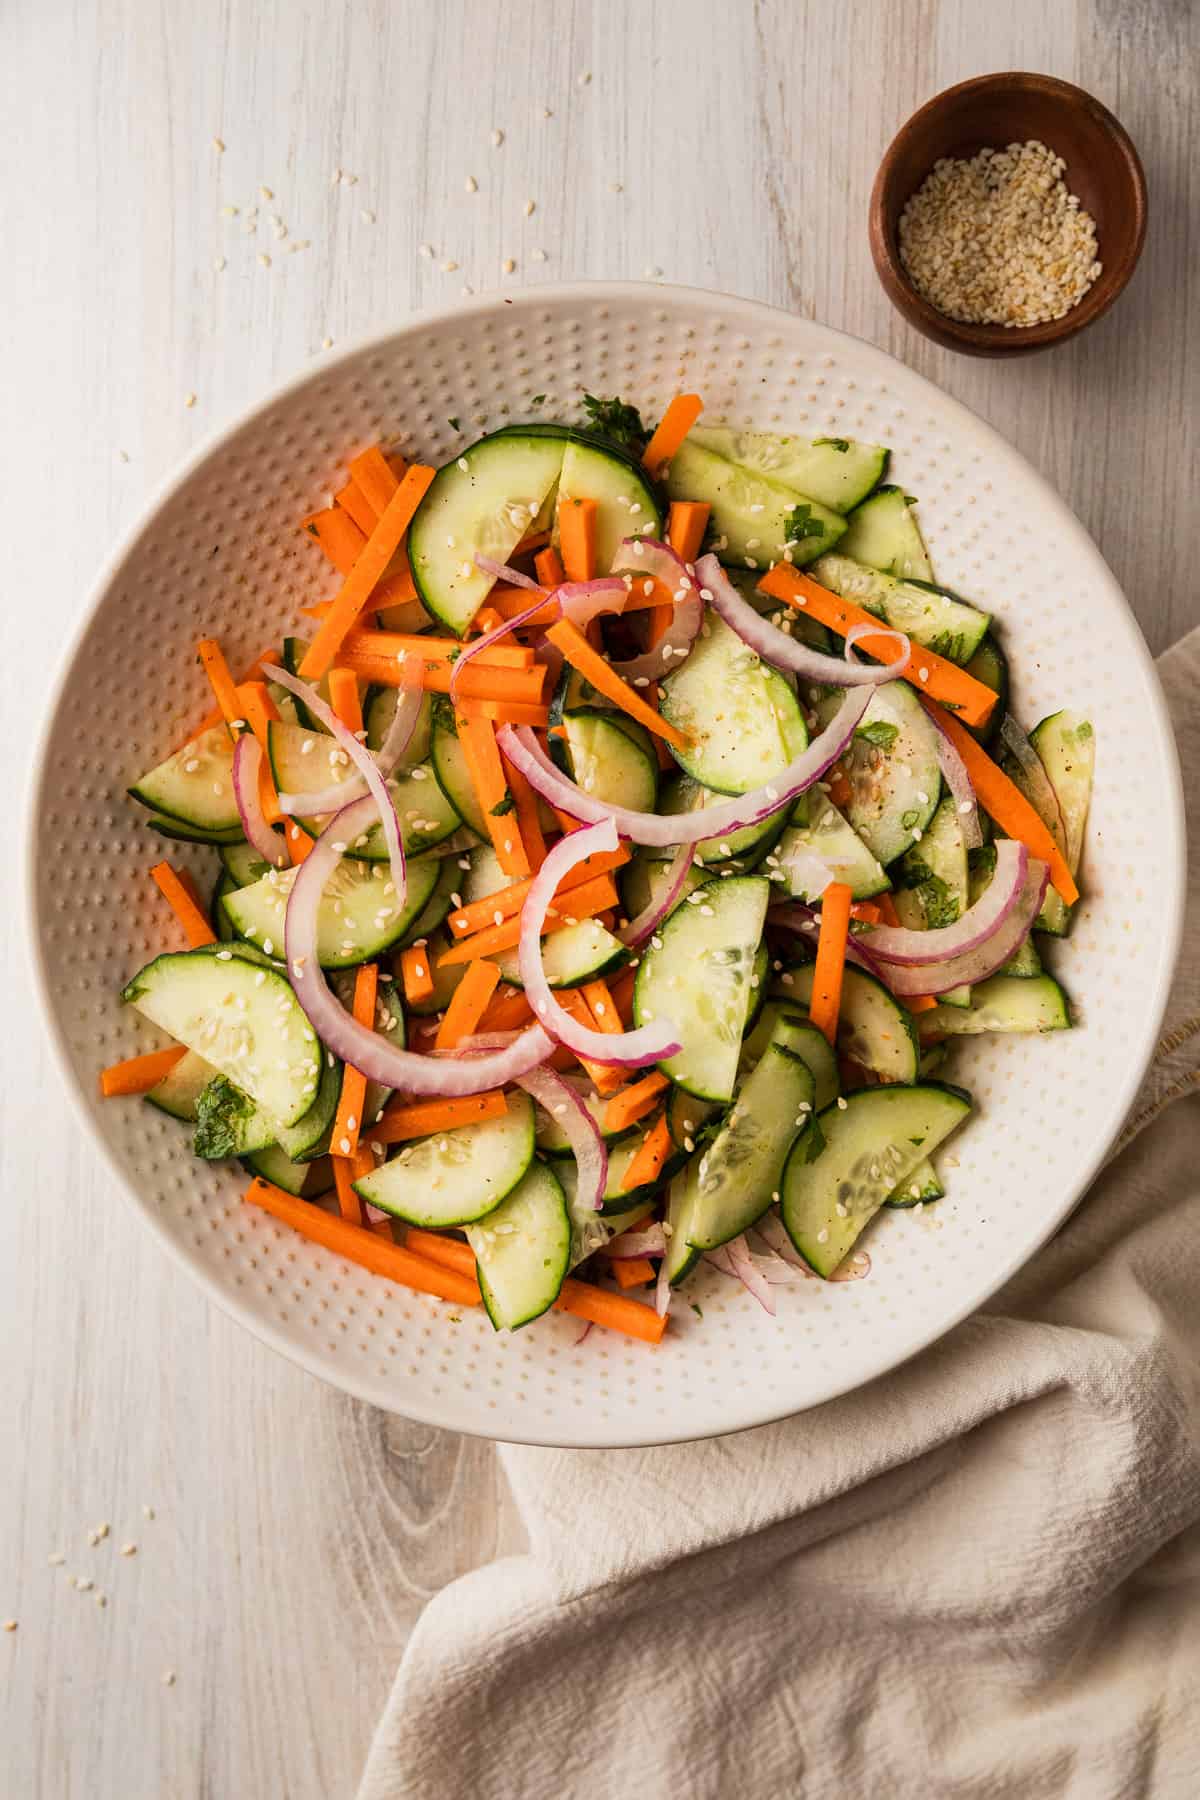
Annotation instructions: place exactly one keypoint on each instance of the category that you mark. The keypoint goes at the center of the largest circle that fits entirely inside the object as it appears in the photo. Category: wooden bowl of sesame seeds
(1008, 214)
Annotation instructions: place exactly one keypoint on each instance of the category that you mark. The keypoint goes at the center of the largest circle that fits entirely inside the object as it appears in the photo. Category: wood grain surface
(723, 143)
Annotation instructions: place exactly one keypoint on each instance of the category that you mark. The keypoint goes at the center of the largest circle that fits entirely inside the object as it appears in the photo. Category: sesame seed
(10, 1625)
(538, 256)
(425, 250)
(218, 145)
(266, 193)
(464, 465)
(508, 265)
(218, 263)
(128, 1549)
(823, 1235)
(327, 343)
(584, 79)
(264, 259)
(189, 400)
(841, 1103)
(448, 266)
(497, 137)
(530, 208)
(169, 1678)
(470, 185)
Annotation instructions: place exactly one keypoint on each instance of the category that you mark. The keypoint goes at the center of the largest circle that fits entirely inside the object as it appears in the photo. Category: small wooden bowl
(1103, 168)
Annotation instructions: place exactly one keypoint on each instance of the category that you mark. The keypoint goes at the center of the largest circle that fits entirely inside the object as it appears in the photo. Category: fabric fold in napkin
(980, 1575)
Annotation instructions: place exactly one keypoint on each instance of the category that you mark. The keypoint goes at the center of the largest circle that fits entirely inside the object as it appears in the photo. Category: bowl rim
(744, 1415)
(1001, 340)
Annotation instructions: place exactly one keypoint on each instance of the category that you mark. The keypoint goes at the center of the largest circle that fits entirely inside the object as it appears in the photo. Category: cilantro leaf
(222, 1114)
(454, 424)
(618, 423)
(939, 904)
(801, 524)
(538, 400)
(842, 444)
(502, 807)
(910, 819)
(879, 733)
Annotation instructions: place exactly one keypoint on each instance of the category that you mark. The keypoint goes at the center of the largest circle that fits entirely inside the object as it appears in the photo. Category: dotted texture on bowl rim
(221, 554)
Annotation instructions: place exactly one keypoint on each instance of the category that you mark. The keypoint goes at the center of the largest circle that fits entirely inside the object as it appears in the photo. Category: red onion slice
(986, 957)
(563, 1104)
(404, 720)
(629, 1049)
(954, 774)
(655, 911)
(650, 1242)
(492, 637)
(247, 766)
(502, 572)
(363, 761)
(734, 1259)
(378, 1058)
(662, 830)
(583, 601)
(772, 1230)
(784, 652)
(896, 944)
(1041, 789)
(653, 560)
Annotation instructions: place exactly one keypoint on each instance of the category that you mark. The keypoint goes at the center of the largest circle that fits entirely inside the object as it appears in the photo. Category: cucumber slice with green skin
(699, 977)
(582, 952)
(178, 1094)
(309, 1137)
(294, 651)
(883, 532)
(743, 849)
(439, 902)
(743, 719)
(804, 1040)
(1066, 744)
(981, 867)
(933, 1059)
(894, 791)
(450, 766)
(873, 1028)
(930, 615)
(590, 1230)
(357, 920)
(755, 521)
(180, 1088)
(228, 1123)
(990, 665)
(426, 816)
(179, 833)
(1003, 1003)
(932, 887)
(456, 1176)
(682, 1255)
(552, 1140)
(241, 1017)
(618, 1197)
(687, 1117)
(481, 504)
(194, 786)
(839, 472)
(242, 864)
(625, 502)
(608, 762)
(736, 1177)
(852, 1156)
(758, 989)
(221, 923)
(523, 1250)
(917, 1189)
(644, 877)
(378, 719)
(833, 839)
(307, 1180)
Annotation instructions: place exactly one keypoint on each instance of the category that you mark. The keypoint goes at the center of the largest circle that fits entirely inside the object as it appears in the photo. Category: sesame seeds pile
(998, 240)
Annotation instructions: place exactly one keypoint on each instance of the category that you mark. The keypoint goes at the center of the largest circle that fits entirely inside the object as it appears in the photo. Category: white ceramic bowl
(219, 552)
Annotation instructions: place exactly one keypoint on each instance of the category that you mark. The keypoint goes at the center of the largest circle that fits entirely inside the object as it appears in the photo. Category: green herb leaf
(939, 904)
(879, 733)
(910, 819)
(222, 1115)
(801, 524)
(1083, 731)
(454, 424)
(619, 424)
(538, 400)
(842, 444)
(502, 807)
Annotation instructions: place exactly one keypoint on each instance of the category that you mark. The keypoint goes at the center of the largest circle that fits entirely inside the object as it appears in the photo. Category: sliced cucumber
(743, 719)
(990, 665)
(181, 1087)
(850, 1158)
(917, 1189)
(645, 875)
(426, 816)
(618, 1195)
(608, 763)
(895, 781)
(179, 1093)
(438, 905)
(736, 1177)
(552, 1140)
(687, 1118)
(221, 922)
(742, 849)
(839, 472)
(294, 651)
(241, 1017)
(379, 716)
(758, 990)
(833, 840)
(804, 1040)
(482, 503)
(874, 1030)
(1003, 1003)
(228, 1123)
(700, 979)
(195, 785)
(755, 521)
(625, 502)
(456, 1176)
(242, 864)
(307, 1180)
(450, 766)
(1066, 744)
(682, 1255)
(181, 833)
(309, 1137)
(930, 615)
(581, 952)
(883, 532)
(523, 1250)
(358, 917)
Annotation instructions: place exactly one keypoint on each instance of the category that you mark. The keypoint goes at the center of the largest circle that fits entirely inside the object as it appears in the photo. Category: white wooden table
(718, 142)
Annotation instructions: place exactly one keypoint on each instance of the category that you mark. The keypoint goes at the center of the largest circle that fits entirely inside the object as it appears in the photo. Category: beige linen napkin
(980, 1575)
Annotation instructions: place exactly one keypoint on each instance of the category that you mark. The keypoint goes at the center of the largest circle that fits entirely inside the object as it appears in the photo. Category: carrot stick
(253, 673)
(1007, 804)
(259, 711)
(671, 430)
(344, 698)
(582, 902)
(621, 989)
(886, 908)
(548, 567)
(480, 914)
(486, 619)
(469, 1004)
(606, 1078)
(422, 1118)
(600, 1002)
(415, 973)
(179, 892)
(577, 537)
(508, 605)
(614, 1311)
(221, 681)
(397, 645)
(349, 1117)
(374, 558)
(353, 501)
(477, 736)
(516, 687)
(656, 1147)
(631, 1271)
(579, 653)
(508, 1011)
(866, 911)
(338, 536)
(826, 1000)
(634, 1102)
(344, 1173)
(528, 823)
(298, 842)
(397, 590)
(687, 523)
(373, 476)
(139, 1073)
(928, 673)
(357, 1245)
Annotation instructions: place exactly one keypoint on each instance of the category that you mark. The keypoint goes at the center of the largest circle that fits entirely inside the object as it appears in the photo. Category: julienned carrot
(602, 1009)
(687, 523)
(548, 566)
(568, 638)
(344, 1176)
(613, 1311)
(373, 476)
(509, 1010)
(631, 1271)
(825, 1005)
(1007, 804)
(179, 892)
(217, 669)
(298, 842)
(634, 1102)
(344, 698)
(606, 1078)
(513, 712)
(928, 673)
(671, 430)
(485, 620)
(372, 561)
(139, 1074)
(866, 912)
(352, 500)
(647, 1165)
(477, 737)
(507, 606)
(577, 537)
(363, 1247)
(259, 712)
(582, 902)
(348, 1120)
(422, 1118)
(480, 914)
(621, 988)
(520, 687)
(253, 673)
(338, 536)
(396, 645)
(416, 973)
(528, 823)
(468, 1005)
